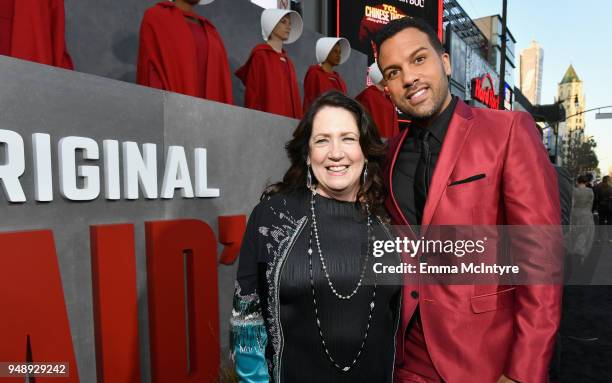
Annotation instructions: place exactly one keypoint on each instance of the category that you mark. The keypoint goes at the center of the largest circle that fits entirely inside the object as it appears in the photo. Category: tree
(579, 154)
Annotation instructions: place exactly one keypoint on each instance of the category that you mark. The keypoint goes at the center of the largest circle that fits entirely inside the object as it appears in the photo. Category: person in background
(582, 229)
(591, 179)
(377, 102)
(603, 194)
(331, 52)
(566, 186)
(269, 75)
(591, 185)
(182, 52)
(34, 30)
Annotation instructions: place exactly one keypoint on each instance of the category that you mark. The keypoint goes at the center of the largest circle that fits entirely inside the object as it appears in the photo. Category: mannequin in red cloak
(269, 75)
(34, 30)
(331, 52)
(379, 104)
(182, 52)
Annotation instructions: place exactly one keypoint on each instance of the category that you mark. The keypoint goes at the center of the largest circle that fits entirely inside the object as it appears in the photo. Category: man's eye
(392, 73)
(419, 59)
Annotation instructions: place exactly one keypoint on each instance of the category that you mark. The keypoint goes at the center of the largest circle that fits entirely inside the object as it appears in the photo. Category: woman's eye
(349, 138)
(320, 141)
(419, 59)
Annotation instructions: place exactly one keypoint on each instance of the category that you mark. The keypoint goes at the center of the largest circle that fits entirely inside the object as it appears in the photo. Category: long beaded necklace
(316, 236)
(314, 230)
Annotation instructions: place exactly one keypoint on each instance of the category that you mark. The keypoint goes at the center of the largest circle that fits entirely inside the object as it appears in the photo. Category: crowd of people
(591, 206)
(602, 199)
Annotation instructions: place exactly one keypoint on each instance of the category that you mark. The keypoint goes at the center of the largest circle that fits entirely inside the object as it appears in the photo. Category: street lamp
(598, 115)
(602, 116)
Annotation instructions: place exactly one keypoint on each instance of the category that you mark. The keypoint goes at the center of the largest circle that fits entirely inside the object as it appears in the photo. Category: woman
(268, 75)
(582, 223)
(320, 78)
(308, 306)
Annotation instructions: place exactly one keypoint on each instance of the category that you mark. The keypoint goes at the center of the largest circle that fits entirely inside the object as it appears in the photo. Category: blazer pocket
(491, 302)
(469, 179)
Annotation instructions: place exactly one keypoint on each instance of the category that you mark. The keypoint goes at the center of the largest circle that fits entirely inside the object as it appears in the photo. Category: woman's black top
(273, 321)
(343, 238)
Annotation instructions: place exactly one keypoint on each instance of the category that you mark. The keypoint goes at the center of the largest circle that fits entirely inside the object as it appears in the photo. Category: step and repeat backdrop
(122, 209)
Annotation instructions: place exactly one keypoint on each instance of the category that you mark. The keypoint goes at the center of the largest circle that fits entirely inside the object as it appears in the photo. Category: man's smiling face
(416, 74)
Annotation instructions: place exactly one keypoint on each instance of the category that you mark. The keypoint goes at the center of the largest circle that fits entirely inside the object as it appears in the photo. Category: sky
(570, 32)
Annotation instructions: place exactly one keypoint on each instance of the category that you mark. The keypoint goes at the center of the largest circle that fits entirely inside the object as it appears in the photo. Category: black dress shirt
(414, 168)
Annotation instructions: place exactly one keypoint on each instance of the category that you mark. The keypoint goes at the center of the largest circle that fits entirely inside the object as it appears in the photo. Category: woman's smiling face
(335, 153)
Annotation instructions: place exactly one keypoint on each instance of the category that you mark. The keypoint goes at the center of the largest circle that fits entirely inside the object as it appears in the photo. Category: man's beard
(436, 108)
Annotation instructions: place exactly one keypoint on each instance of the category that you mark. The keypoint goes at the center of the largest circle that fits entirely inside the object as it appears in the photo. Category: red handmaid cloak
(317, 81)
(38, 32)
(381, 109)
(167, 48)
(271, 84)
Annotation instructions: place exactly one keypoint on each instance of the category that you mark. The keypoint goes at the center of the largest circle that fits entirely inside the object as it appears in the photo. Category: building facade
(474, 47)
(570, 94)
(491, 27)
(531, 67)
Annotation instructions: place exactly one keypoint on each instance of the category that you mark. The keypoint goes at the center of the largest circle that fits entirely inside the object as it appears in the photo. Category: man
(33, 30)
(378, 103)
(458, 165)
(603, 196)
(182, 52)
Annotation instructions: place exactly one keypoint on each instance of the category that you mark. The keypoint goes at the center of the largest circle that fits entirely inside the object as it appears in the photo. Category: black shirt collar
(439, 125)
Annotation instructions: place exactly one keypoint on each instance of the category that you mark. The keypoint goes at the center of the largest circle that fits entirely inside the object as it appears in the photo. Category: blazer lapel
(456, 135)
(394, 156)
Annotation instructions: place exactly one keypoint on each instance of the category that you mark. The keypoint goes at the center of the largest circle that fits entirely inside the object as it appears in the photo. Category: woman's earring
(365, 171)
(308, 177)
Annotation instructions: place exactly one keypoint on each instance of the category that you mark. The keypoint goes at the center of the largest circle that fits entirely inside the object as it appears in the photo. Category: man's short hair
(398, 25)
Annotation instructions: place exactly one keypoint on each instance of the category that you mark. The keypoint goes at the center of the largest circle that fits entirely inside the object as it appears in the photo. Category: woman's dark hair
(583, 179)
(372, 190)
